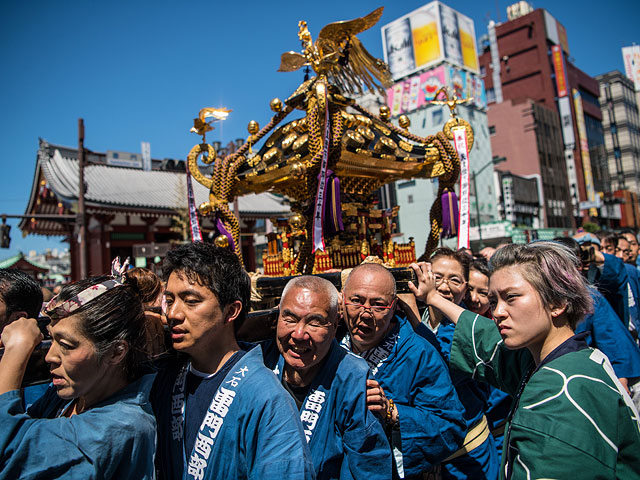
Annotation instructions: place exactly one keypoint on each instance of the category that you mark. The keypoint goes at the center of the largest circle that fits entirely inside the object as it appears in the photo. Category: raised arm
(19, 339)
(426, 292)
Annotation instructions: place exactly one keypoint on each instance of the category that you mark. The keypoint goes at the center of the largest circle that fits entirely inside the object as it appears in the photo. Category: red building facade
(519, 67)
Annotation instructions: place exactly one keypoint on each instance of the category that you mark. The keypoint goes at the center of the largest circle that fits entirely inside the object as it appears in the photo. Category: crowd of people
(515, 362)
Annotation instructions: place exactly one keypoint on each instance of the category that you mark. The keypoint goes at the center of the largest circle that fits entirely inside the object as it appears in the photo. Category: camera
(587, 255)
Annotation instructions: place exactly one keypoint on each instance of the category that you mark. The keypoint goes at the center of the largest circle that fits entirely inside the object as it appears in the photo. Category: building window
(409, 198)
(492, 129)
(483, 71)
(410, 183)
(491, 95)
(436, 117)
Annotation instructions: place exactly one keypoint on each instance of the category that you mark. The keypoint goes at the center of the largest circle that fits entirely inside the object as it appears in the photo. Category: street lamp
(494, 161)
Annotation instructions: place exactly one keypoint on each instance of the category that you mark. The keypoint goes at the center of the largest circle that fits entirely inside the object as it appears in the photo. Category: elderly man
(221, 413)
(327, 383)
(411, 387)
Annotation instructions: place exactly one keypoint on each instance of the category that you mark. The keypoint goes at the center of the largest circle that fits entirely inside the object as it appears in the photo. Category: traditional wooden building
(126, 205)
(22, 263)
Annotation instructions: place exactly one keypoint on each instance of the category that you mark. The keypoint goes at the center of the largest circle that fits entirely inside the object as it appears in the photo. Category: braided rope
(305, 261)
(224, 177)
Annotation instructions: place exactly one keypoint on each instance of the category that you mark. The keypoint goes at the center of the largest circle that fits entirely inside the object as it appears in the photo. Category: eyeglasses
(454, 282)
(359, 307)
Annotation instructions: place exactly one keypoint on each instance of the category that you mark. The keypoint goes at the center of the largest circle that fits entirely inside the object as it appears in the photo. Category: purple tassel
(225, 232)
(332, 214)
(450, 215)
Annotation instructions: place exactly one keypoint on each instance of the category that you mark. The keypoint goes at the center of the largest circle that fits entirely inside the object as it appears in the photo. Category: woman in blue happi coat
(95, 420)
(478, 458)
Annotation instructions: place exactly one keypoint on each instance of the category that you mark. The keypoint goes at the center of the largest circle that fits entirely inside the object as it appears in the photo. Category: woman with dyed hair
(95, 420)
(570, 409)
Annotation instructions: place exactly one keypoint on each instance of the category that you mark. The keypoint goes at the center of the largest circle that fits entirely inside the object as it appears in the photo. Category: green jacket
(571, 419)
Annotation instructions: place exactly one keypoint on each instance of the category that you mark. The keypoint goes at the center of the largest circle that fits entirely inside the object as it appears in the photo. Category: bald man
(411, 387)
(328, 384)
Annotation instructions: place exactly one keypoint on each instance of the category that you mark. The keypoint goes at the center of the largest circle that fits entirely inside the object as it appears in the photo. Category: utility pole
(494, 161)
(82, 232)
(475, 190)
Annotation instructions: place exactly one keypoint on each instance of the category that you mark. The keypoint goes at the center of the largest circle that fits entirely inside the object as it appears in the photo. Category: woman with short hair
(571, 413)
(95, 420)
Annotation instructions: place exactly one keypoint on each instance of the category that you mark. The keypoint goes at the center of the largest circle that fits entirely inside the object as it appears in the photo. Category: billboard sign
(560, 72)
(418, 90)
(124, 159)
(564, 40)
(429, 35)
(584, 152)
(631, 56)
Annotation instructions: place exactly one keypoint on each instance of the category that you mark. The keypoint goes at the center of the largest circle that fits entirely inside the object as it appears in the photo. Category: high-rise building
(525, 63)
(621, 125)
(432, 47)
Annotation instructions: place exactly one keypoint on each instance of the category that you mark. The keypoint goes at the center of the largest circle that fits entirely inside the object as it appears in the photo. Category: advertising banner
(418, 90)
(559, 70)
(631, 56)
(564, 106)
(429, 35)
(584, 152)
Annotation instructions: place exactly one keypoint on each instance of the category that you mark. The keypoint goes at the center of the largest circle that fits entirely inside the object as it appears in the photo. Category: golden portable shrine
(329, 162)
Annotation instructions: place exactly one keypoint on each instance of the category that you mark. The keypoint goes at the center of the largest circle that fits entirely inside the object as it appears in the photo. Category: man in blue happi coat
(411, 388)
(220, 412)
(328, 384)
(20, 296)
(607, 273)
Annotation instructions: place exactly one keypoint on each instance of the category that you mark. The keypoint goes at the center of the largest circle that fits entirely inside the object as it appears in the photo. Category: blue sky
(140, 70)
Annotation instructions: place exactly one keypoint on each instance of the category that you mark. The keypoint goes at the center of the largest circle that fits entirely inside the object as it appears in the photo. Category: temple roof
(110, 188)
(21, 262)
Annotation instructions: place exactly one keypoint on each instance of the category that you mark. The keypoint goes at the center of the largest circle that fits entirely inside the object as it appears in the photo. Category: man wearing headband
(221, 413)
(412, 389)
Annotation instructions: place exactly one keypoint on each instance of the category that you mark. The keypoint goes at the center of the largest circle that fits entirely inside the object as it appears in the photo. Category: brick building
(550, 104)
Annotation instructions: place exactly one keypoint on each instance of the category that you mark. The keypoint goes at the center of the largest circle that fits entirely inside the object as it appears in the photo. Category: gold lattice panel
(360, 186)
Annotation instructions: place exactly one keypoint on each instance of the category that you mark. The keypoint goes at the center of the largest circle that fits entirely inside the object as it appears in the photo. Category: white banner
(318, 215)
(567, 122)
(460, 140)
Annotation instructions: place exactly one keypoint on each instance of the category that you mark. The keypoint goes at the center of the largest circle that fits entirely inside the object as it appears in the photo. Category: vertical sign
(146, 155)
(559, 70)
(460, 140)
(584, 152)
(631, 56)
